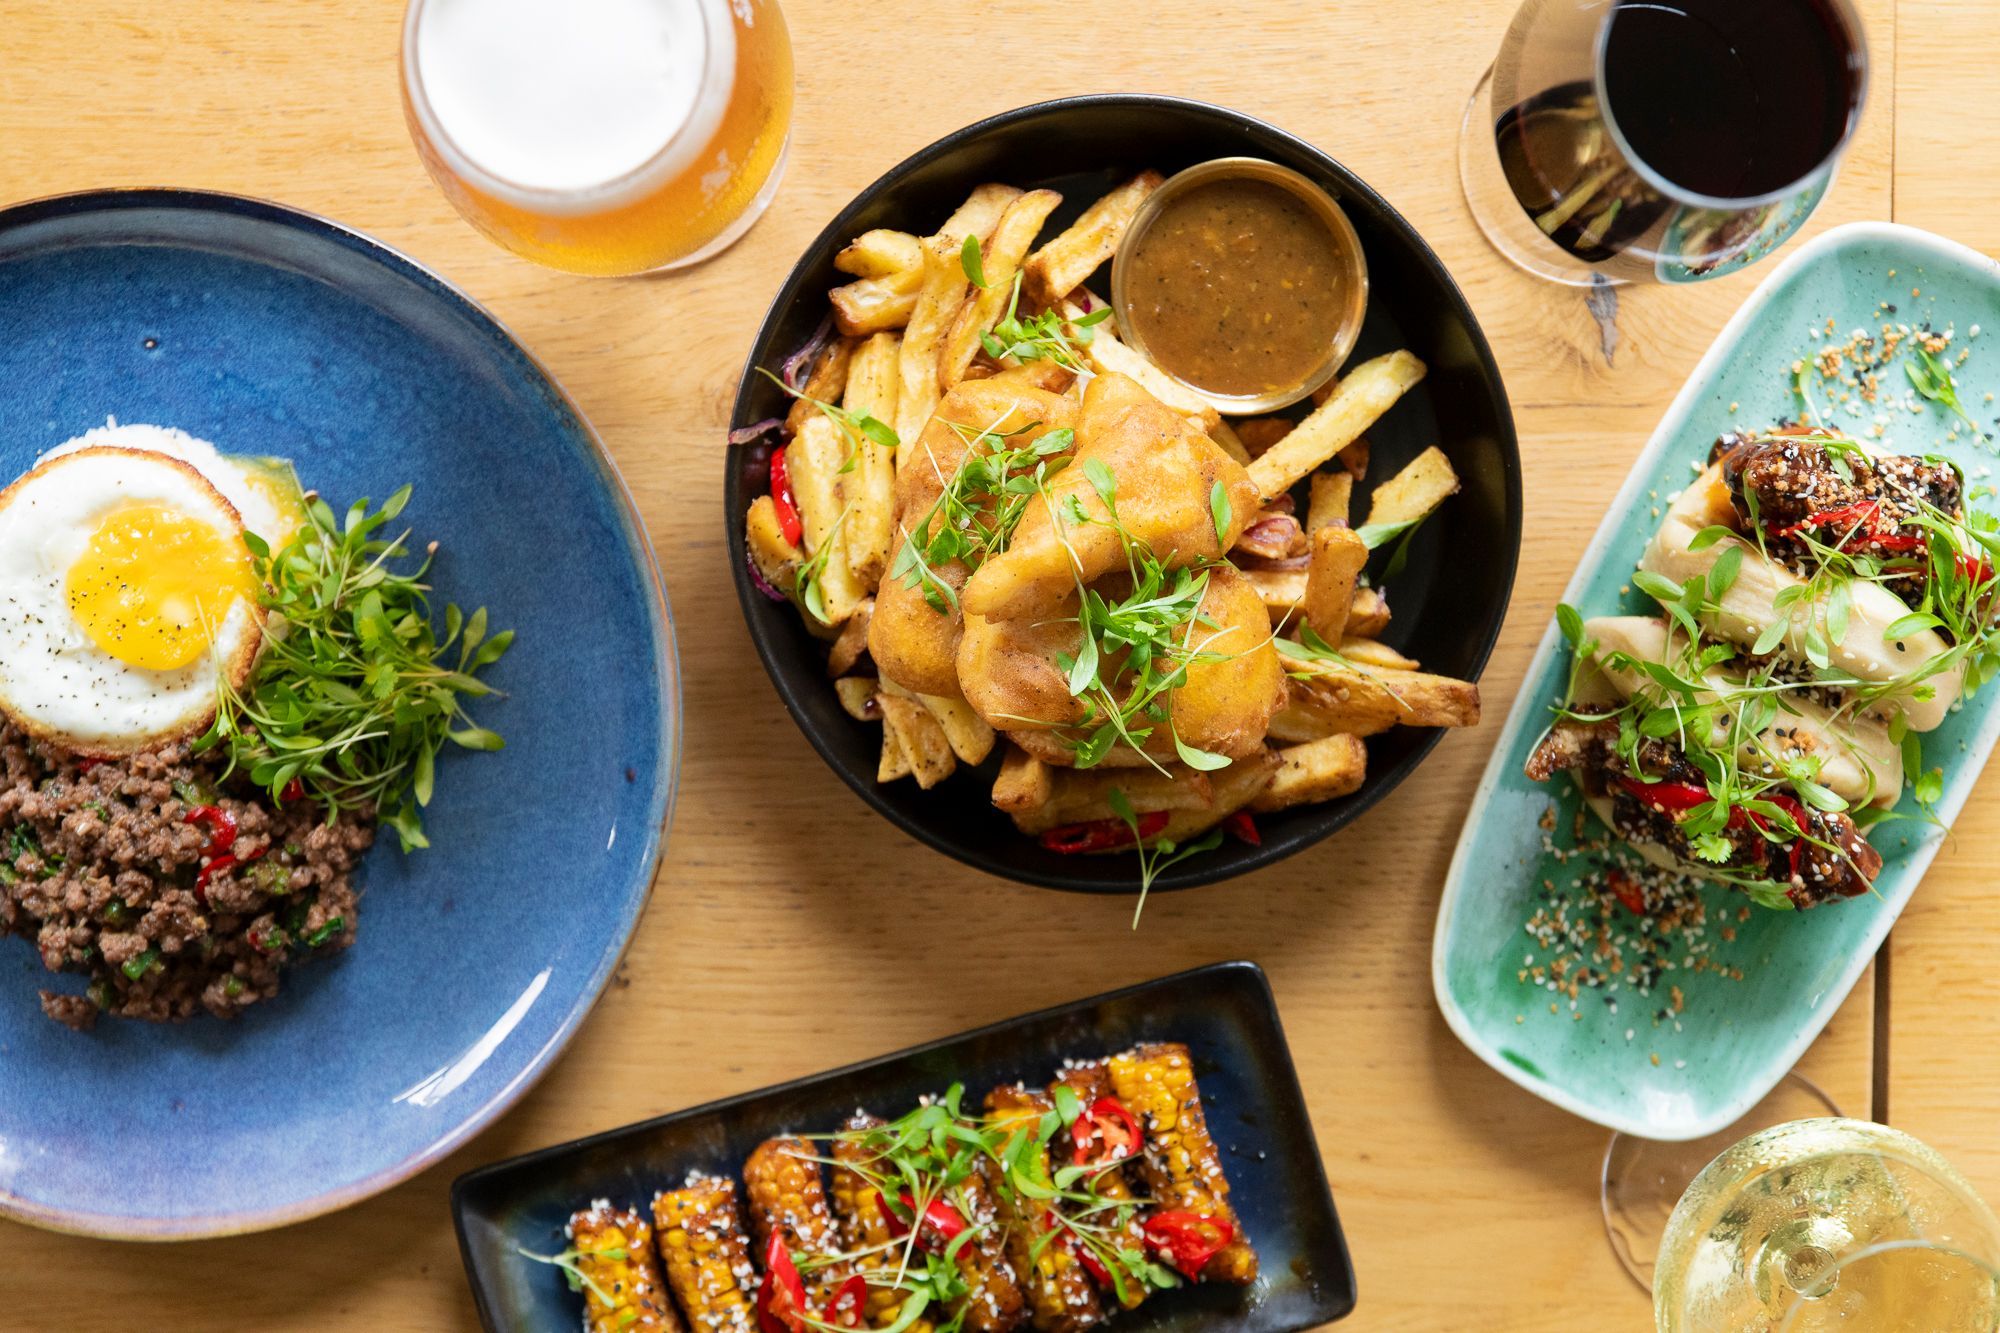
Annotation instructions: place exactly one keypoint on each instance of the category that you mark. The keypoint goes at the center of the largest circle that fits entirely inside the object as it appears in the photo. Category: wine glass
(1782, 1224)
(1659, 140)
(1899, 1285)
(1642, 1179)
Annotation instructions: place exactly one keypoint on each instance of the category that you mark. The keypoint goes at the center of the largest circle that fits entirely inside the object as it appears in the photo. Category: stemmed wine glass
(1659, 140)
(1829, 1223)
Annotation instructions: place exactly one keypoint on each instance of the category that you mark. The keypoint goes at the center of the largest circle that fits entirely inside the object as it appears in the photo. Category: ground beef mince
(1863, 505)
(101, 866)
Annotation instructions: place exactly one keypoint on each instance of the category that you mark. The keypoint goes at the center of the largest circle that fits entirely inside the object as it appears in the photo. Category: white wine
(1828, 1224)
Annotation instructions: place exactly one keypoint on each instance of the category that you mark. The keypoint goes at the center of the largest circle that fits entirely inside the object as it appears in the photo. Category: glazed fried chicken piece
(1165, 469)
(913, 642)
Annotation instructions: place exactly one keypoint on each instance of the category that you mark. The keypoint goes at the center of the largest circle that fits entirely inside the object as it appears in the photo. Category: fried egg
(127, 599)
(264, 491)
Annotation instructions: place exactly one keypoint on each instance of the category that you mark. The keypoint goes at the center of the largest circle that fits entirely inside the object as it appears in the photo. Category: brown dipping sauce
(1237, 287)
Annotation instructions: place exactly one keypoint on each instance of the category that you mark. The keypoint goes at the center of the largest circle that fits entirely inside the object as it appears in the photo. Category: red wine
(1730, 98)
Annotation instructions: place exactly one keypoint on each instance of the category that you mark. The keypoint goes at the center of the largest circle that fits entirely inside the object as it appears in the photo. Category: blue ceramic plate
(1224, 1013)
(1654, 1064)
(270, 332)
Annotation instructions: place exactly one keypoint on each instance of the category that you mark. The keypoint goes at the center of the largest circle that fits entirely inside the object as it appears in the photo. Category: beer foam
(571, 97)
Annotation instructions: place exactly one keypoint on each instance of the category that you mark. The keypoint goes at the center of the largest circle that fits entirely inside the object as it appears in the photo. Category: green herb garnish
(1162, 853)
(1931, 378)
(975, 515)
(1044, 337)
(355, 694)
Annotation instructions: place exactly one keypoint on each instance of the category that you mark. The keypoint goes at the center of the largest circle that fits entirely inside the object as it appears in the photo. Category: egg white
(54, 681)
(263, 493)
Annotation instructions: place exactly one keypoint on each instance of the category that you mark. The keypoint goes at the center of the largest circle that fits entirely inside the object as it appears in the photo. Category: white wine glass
(1897, 1286)
(1643, 1179)
(1827, 1223)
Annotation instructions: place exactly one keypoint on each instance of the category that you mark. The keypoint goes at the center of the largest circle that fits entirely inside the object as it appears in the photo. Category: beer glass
(601, 136)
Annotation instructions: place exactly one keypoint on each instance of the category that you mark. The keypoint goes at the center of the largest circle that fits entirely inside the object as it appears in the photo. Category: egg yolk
(154, 584)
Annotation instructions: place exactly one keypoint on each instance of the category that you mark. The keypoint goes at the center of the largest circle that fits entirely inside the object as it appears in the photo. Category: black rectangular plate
(1224, 1012)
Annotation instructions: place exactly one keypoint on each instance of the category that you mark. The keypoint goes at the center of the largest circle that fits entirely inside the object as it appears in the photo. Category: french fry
(1080, 796)
(876, 305)
(937, 306)
(853, 640)
(1368, 700)
(1025, 783)
(1260, 433)
(1331, 501)
(878, 253)
(1365, 393)
(977, 215)
(1369, 615)
(895, 761)
(999, 258)
(1282, 590)
(1108, 356)
(1365, 652)
(825, 381)
(1319, 770)
(1229, 441)
(857, 696)
(1338, 553)
(814, 461)
(774, 556)
(1424, 484)
(1354, 458)
(1230, 790)
(964, 730)
(873, 380)
(923, 740)
(969, 736)
(1061, 266)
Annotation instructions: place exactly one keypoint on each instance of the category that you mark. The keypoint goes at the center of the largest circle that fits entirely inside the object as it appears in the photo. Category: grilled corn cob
(863, 1228)
(707, 1255)
(1089, 1081)
(622, 1292)
(1062, 1298)
(787, 1195)
(995, 1303)
(1181, 1167)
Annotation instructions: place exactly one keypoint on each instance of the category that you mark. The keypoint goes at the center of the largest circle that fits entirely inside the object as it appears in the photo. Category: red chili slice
(1975, 568)
(939, 1217)
(1076, 1245)
(1189, 1240)
(1102, 835)
(221, 827)
(294, 790)
(1244, 825)
(849, 1307)
(781, 1300)
(1107, 1123)
(1625, 891)
(783, 500)
(1669, 796)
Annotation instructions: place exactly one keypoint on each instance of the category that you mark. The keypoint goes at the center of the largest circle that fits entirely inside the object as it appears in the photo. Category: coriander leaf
(1376, 535)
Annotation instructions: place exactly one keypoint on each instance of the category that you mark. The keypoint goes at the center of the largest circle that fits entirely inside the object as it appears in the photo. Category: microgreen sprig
(355, 694)
(1931, 378)
(1161, 853)
(980, 506)
(1044, 337)
(572, 1271)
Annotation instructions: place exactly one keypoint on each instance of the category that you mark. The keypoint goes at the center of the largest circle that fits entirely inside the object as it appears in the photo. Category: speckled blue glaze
(270, 332)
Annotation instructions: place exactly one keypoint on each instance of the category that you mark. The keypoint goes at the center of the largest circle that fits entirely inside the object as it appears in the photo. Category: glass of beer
(603, 137)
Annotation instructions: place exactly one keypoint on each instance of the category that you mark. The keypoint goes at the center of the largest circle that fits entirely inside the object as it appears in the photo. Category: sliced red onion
(805, 356)
(752, 434)
(763, 584)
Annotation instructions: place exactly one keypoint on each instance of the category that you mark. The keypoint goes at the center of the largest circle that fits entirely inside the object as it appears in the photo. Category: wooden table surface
(1468, 1203)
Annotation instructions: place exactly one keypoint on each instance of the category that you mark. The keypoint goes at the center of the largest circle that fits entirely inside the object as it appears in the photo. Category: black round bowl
(1448, 601)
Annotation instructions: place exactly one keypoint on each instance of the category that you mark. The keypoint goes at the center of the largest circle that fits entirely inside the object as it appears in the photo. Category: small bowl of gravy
(1244, 281)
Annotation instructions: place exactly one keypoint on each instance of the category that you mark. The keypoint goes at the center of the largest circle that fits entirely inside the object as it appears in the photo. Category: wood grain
(1469, 1203)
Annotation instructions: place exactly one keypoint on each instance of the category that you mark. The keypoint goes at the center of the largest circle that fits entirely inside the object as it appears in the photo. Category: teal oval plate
(1733, 1003)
